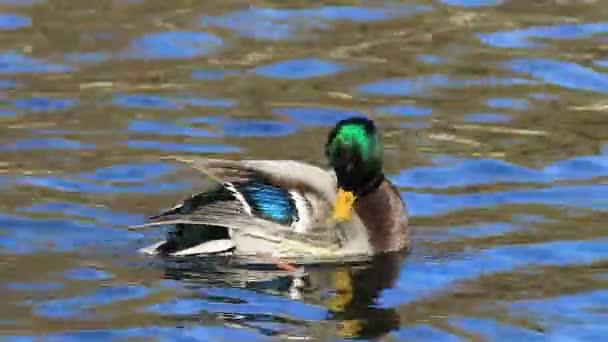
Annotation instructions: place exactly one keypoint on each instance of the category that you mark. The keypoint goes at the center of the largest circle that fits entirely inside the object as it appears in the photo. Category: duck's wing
(288, 174)
(267, 206)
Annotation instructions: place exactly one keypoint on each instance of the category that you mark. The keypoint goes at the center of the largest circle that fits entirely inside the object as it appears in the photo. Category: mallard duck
(293, 210)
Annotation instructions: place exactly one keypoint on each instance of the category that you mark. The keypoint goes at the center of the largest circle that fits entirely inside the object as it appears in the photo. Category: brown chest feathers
(384, 214)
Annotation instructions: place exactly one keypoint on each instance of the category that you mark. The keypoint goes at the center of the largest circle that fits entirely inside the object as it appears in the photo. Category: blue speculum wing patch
(269, 202)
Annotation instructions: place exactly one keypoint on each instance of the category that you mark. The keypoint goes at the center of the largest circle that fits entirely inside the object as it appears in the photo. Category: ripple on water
(423, 85)
(418, 279)
(405, 110)
(490, 171)
(507, 103)
(8, 84)
(491, 330)
(291, 24)
(522, 38)
(587, 196)
(212, 74)
(174, 45)
(423, 333)
(473, 231)
(21, 2)
(560, 73)
(15, 63)
(21, 235)
(12, 22)
(135, 178)
(300, 69)
(487, 117)
(154, 127)
(6, 112)
(256, 128)
(97, 214)
(129, 173)
(87, 57)
(430, 59)
(79, 307)
(254, 303)
(44, 104)
(415, 125)
(181, 147)
(46, 143)
(472, 3)
(168, 103)
(579, 315)
(86, 273)
(181, 333)
(315, 116)
(34, 286)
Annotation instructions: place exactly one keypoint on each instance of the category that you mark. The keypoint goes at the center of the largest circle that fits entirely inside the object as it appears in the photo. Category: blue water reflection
(6, 112)
(212, 74)
(87, 57)
(188, 333)
(165, 103)
(79, 306)
(590, 197)
(13, 22)
(181, 147)
(522, 38)
(564, 74)
(300, 69)
(405, 110)
(15, 63)
(21, 235)
(257, 128)
(86, 273)
(421, 279)
(166, 128)
(99, 215)
(508, 103)
(8, 84)
(46, 143)
(425, 333)
(490, 171)
(563, 315)
(287, 24)
(44, 104)
(490, 329)
(253, 303)
(21, 2)
(472, 3)
(315, 116)
(423, 86)
(174, 45)
(487, 117)
(134, 178)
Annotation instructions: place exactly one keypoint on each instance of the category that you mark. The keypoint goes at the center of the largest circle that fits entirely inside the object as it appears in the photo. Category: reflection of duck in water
(284, 208)
(356, 294)
(356, 291)
(351, 306)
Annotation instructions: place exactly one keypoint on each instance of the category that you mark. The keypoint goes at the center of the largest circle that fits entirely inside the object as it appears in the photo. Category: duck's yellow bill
(343, 206)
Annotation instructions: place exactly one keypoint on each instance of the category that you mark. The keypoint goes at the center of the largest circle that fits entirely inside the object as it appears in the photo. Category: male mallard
(293, 210)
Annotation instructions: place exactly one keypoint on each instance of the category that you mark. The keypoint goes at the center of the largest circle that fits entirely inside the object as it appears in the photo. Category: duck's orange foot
(284, 265)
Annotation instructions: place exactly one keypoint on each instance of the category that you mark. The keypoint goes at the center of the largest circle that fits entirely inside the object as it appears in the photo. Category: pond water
(495, 123)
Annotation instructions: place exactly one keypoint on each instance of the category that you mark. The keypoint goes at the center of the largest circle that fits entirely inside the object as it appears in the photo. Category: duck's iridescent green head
(354, 151)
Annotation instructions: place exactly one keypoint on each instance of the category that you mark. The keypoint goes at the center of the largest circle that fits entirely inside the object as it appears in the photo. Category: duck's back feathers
(287, 174)
(257, 205)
